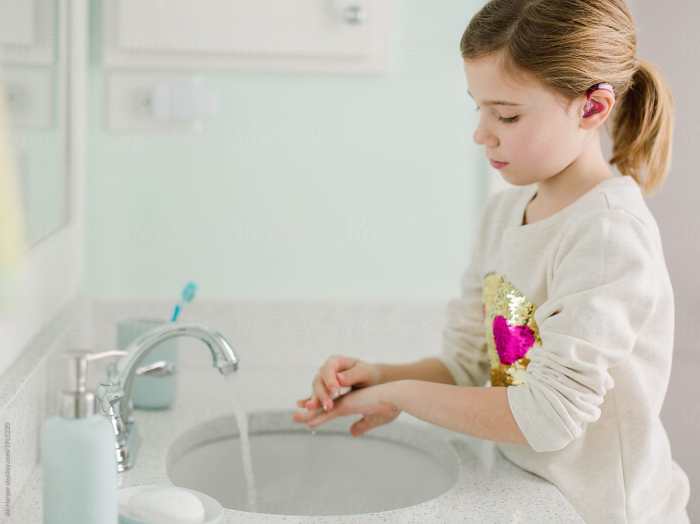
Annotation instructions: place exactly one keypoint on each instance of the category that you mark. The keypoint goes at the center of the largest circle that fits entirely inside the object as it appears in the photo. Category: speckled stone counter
(489, 488)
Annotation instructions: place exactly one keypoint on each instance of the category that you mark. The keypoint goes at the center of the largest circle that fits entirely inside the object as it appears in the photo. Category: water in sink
(242, 420)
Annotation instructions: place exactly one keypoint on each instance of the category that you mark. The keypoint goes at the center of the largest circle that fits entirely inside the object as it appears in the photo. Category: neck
(581, 175)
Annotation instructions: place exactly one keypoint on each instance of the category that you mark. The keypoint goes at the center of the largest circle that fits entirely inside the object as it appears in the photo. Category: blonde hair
(570, 45)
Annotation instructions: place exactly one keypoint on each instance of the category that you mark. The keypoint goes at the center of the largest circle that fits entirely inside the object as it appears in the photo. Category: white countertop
(491, 489)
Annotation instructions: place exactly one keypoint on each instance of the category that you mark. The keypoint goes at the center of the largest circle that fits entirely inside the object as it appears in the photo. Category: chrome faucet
(114, 395)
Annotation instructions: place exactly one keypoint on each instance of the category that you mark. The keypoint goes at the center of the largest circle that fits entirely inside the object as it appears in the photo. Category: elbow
(545, 423)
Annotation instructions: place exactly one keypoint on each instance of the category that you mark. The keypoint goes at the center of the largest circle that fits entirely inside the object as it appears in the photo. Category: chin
(516, 180)
(510, 178)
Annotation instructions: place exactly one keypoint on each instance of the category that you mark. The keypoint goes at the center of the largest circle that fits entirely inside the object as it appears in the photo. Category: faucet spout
(222, 354)
(115, 394)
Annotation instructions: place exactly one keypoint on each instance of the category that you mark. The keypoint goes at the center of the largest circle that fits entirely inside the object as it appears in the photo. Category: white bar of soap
(166, 505)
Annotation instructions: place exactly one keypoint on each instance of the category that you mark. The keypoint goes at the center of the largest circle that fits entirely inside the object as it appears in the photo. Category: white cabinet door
(17, 22)
(28, 31)
(260, 34)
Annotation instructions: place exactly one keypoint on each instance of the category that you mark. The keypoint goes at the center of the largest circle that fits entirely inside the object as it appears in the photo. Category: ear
(595, 111)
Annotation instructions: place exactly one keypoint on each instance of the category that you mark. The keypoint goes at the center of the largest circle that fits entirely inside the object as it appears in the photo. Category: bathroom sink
(328, 472)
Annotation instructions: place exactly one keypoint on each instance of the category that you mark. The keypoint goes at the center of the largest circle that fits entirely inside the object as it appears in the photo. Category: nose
(483, 137)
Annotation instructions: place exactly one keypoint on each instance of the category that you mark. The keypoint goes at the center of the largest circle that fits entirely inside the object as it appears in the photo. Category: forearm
(428, 369)
(482, 412)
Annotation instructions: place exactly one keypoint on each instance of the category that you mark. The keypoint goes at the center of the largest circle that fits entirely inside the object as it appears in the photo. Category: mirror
(34, 71)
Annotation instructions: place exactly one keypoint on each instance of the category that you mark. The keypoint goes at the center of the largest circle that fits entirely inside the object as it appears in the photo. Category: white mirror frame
(51, 272)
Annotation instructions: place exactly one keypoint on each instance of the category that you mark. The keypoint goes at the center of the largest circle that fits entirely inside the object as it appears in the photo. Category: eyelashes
(510, 120)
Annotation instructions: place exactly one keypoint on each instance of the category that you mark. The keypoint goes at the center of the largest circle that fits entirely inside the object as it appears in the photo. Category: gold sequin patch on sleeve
(511, 330)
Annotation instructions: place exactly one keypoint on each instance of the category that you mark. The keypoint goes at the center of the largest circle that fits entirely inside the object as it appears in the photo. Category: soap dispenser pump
(78, 463)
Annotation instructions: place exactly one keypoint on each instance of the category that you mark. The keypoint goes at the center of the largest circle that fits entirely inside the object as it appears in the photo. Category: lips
(497, 164)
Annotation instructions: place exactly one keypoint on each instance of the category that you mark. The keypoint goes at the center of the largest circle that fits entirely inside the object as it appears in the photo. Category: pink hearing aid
(592, 107)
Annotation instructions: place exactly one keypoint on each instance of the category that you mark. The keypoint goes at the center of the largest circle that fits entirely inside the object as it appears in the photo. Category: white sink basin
(327, 473)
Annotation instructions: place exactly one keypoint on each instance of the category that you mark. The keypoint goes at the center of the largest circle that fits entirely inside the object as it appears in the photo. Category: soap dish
(213, 511)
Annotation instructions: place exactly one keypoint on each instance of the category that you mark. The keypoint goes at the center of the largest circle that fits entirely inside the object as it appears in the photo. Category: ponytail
(643, 129)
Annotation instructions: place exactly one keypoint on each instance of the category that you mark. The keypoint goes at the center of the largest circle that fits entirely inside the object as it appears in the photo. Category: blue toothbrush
(186, 296)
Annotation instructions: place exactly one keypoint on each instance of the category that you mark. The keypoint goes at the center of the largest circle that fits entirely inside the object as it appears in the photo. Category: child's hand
(336, 373)
(375, 404)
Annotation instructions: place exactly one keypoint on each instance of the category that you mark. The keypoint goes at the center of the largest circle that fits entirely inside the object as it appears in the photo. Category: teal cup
(150, 392)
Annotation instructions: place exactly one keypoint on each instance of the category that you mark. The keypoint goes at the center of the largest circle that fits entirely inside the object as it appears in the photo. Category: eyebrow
(496, 102)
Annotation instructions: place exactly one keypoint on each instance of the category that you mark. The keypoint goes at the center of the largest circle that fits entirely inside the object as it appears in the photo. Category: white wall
(303, 186)
(668, 37)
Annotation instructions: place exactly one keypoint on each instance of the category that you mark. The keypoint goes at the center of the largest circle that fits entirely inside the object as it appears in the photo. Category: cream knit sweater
(574, 314)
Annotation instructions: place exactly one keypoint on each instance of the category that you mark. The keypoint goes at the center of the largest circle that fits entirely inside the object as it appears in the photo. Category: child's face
(544, 137)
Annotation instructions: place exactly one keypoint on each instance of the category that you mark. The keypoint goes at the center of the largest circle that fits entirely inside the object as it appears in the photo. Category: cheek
(542, 148)
(525, 144)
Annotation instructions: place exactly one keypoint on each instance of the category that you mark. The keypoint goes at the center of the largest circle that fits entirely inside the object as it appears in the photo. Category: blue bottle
(78, 461)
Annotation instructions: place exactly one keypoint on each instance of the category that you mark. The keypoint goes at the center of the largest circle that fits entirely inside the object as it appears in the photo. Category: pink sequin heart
(512, 342)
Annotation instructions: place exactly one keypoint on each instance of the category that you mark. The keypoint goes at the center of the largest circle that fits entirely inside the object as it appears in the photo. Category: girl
(559, 347)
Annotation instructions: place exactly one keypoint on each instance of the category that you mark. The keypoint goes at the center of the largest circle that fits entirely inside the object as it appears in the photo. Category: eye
(510, 120)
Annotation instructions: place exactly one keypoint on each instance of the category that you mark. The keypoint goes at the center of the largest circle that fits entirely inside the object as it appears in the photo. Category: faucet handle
(162, 368)
(76, 401)
(77, 362)
(110, 396)
(112, 369)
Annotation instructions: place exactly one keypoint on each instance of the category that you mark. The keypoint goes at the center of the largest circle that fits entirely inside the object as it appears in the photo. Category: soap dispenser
(78, 463)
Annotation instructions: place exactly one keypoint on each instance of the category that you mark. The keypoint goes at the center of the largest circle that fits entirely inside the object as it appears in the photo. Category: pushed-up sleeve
(604, 288)
(463, 337)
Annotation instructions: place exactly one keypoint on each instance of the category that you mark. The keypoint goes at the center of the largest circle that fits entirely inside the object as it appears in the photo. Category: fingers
(353, 375)
(314, 403)
(329, 372)
(325, 386)
(320, 417)
(361, 374)
(366, 423)
(308, 402)
(316, 417)
(303, 401)
(305, 416)
(339, 362)
(359, 427)
(321, 393)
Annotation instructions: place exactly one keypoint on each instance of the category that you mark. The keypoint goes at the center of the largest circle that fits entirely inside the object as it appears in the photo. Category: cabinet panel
(301, 27)
(28, 31)
(16, 22)
(247, 34)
